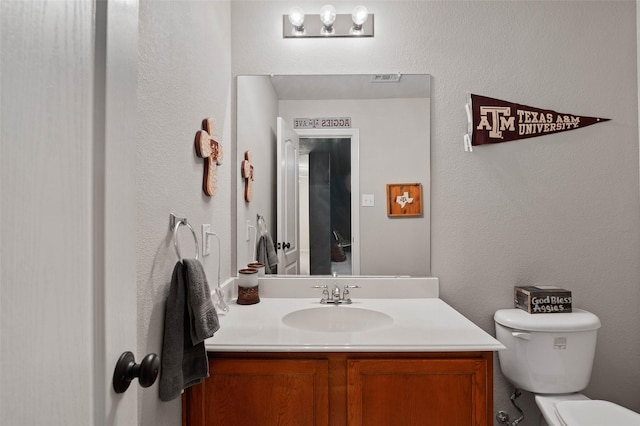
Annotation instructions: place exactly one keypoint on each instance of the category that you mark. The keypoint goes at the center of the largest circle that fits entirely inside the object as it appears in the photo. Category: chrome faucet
(335, 294)
(335, 297)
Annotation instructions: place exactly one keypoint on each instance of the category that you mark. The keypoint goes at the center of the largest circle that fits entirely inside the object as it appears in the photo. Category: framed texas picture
(404, 199)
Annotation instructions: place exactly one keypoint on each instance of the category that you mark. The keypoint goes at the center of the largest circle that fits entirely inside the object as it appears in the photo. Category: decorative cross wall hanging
(211, 151)
(247, 173)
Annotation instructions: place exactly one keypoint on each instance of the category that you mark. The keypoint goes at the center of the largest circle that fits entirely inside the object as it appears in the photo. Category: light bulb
(359, 17)
(328, 16)
(296, 18)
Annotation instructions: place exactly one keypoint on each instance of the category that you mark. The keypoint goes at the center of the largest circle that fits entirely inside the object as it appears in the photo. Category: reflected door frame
(354, 135)
(287, 198)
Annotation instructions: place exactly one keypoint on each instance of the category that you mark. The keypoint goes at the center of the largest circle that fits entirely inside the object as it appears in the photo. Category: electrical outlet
(206, 248)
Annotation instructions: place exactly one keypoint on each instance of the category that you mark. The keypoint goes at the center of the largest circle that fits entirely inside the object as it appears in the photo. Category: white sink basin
(336, 319)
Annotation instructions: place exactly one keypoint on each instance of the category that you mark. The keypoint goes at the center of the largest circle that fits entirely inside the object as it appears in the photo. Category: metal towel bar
(174, 223)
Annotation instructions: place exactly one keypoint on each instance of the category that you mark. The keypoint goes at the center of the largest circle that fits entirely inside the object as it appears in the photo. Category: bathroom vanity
(381, 360)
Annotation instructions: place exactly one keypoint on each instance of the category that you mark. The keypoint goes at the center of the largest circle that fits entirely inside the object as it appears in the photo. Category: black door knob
(127, 370)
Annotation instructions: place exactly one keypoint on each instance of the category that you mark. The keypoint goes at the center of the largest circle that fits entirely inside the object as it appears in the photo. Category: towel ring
(175, 237)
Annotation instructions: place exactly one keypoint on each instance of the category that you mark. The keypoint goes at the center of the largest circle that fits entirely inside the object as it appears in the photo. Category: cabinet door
(246, 392)
(418, 392)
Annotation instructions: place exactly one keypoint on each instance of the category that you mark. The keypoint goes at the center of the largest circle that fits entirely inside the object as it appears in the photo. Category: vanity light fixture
(296, 19)
(327, 17)
(328, 23)
(359, 16)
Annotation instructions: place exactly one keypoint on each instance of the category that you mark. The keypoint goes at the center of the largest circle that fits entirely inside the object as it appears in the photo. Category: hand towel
(266, 254)
(184, 362)
(204, 318)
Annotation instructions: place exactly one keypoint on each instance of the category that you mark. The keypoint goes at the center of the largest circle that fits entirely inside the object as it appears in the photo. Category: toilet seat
(595, 413)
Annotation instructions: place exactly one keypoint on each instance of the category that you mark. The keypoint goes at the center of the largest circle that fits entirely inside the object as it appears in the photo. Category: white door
(287, 238)
(67, 202)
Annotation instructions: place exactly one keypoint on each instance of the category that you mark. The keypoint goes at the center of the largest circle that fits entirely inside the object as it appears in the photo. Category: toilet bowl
(551, 356)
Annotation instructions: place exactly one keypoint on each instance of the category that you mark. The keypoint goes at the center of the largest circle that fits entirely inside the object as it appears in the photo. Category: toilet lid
(595, 413)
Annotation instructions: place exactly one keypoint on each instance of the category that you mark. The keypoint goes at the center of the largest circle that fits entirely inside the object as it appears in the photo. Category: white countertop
(419, 325)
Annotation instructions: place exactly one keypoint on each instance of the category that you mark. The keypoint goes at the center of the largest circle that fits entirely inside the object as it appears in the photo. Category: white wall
(183, 78)
(559, 209)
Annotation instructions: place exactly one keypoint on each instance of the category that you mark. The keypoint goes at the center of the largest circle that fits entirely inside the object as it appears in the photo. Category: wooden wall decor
(246, 168)
(211, 150)
(404, 199)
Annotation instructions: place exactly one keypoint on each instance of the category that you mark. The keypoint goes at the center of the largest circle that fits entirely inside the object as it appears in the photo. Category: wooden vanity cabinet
(260, 391)
(343, 389)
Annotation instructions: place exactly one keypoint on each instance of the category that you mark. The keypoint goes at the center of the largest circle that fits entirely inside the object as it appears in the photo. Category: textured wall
(183, 78)
(560, 209)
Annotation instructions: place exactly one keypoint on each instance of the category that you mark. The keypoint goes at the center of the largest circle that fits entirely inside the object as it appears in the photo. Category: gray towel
(184, 362)
(266, 254)
(204, 318)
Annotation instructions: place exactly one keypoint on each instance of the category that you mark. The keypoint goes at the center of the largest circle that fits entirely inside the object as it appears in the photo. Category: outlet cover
(206, 247)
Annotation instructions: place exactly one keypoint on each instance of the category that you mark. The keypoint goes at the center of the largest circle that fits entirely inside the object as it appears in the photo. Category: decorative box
(542, 299)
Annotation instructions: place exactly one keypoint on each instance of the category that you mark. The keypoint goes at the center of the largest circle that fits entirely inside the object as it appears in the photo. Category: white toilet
(551, 355)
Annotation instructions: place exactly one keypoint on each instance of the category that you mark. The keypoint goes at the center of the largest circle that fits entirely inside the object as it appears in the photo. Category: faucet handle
(325, 292)
(345, 292)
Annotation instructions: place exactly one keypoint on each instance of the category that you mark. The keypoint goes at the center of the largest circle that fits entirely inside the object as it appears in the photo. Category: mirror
(323, 149)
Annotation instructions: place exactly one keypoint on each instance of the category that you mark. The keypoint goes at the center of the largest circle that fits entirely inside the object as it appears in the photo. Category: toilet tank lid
(578, 320)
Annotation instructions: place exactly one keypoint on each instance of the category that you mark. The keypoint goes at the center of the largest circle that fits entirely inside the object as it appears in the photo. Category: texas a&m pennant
(492, 121)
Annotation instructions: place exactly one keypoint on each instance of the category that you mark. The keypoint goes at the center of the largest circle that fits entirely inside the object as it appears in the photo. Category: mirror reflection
(323, 148)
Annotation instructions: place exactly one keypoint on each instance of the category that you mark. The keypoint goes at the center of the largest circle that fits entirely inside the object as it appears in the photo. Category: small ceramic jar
(248, 291)
(248, 277)
(259, 266)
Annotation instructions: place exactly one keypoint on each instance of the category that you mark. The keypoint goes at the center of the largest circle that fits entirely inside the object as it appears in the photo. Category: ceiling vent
(386, 78)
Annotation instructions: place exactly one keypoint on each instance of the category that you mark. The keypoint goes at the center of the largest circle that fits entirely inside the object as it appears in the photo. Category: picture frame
(404, 199)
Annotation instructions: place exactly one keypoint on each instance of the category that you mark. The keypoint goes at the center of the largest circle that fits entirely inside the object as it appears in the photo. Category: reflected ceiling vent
(386, 78)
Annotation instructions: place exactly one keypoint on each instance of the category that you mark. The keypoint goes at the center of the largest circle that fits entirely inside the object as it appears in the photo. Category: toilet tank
(547, 353)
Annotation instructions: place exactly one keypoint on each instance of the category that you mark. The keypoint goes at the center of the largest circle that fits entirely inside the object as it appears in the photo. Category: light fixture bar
(313, 28)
